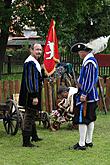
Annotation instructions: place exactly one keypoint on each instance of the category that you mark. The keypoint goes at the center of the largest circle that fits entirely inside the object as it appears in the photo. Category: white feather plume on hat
(99, 44)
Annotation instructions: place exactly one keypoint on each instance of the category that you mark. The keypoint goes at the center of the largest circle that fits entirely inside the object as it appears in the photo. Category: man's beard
(37, 56)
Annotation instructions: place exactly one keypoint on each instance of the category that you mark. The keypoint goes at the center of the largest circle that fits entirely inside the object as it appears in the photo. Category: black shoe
(39, 139)
(89, 145)
(36, 139)
(28, 145)
(77, 147)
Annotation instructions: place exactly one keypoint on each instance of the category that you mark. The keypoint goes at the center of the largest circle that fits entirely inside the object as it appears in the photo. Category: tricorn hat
(97, 45)
(79, 47)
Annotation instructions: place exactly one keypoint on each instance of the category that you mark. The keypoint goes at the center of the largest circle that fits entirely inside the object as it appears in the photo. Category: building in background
(29, 36)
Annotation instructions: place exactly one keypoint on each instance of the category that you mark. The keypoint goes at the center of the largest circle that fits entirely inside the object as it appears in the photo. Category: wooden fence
(49, 92)
(8, 88)
(103, 61)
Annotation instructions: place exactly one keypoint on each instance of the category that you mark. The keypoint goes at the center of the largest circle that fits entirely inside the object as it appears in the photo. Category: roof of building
(20, 41)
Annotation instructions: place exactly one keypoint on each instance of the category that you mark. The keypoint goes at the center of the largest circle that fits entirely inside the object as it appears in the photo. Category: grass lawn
(53, 150)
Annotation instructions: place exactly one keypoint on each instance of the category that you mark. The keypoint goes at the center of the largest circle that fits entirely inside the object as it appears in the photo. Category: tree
(76, 20)
(5, 9)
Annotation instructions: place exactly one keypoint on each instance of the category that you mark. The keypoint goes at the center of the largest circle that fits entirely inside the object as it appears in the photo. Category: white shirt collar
(88, 56)
(31, 58)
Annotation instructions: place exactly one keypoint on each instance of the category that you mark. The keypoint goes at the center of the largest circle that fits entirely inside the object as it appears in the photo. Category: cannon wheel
(11, 118)
(56, 125)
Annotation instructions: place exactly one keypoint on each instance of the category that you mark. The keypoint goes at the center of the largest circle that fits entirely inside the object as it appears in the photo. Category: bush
(19, 54)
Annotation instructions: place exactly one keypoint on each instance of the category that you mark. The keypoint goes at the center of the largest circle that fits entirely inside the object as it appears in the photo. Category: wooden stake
(11, 87)
(0, 91)
(50, 97)
(107, 97)
(46, 94)
(17, 86)
(5, 89)
(102, 97)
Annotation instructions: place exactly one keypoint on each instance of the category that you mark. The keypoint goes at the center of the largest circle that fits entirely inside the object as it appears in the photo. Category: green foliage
(13, 76)
(19, 54)
(76, 20)
(73, 18)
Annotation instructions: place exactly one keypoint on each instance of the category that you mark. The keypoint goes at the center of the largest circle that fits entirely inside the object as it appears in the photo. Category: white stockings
(86, 133)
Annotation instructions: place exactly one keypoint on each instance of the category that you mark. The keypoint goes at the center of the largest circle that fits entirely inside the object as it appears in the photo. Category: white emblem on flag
(51, 52)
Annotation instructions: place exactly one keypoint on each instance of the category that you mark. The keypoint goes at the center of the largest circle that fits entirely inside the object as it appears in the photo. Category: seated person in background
(65, 105)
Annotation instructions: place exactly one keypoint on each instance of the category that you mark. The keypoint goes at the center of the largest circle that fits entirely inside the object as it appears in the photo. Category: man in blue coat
(87, 97)
(30, 94)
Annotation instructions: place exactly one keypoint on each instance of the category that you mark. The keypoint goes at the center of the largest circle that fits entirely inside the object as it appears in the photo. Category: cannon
(10, 115)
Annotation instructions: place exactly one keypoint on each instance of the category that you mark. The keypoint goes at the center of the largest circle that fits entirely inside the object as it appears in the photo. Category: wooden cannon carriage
(10, 112)
(10, 115)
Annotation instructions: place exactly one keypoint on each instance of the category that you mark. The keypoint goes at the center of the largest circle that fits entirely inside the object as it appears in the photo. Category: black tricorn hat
(80, 47)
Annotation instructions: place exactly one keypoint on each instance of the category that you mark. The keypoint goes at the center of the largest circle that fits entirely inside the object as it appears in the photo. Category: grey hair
(32, 45)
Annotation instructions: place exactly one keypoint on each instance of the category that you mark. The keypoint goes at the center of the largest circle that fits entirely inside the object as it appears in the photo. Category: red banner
(51, 54)
(103, 60)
